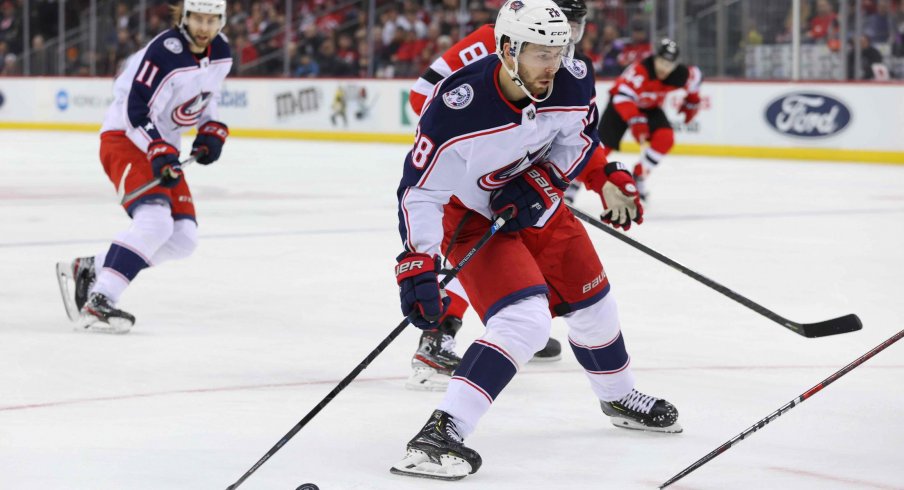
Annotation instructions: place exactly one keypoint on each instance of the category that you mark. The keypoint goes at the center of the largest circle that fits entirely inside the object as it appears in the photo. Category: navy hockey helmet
(574, 10)
(668, 50)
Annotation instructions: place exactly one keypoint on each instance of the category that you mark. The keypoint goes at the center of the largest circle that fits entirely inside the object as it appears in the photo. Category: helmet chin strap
(184, 29)
(517, 79)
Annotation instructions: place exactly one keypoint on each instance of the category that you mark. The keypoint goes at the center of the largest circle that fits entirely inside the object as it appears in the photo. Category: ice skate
(642, 412)
(75, 280)
(552, 352)
(99, 315)
(438, 452)
(435, 359)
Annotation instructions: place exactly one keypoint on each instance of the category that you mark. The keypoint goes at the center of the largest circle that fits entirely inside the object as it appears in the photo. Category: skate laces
(448, 343)
(452, 431)
(638, 402)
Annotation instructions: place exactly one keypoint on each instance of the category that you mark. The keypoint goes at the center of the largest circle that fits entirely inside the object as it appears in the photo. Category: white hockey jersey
(471, 141)
(165, 89)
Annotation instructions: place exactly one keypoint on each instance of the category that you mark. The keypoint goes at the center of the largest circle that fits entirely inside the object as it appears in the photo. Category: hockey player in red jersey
(167, 88)
(636, 104)
(435, 359)
(504, 135)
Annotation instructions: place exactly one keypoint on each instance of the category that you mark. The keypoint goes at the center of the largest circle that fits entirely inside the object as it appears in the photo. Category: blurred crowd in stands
(329, 38)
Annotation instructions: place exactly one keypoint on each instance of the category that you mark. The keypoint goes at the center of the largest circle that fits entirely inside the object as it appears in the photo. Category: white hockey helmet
(539, 22)
(216, 7)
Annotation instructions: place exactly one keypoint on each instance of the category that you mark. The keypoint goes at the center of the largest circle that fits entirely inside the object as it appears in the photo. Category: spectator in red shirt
(823, 25)
(638, 48)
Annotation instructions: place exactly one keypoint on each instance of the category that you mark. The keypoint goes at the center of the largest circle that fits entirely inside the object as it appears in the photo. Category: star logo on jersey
(516, 5)
(459, 97)
(495, 180)
(189, 112)
(149, 126)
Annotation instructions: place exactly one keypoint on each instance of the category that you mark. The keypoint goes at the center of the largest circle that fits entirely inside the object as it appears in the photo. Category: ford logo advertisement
(808, 115)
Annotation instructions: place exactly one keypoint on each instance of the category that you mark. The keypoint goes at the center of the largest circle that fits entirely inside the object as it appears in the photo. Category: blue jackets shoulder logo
(808, 115)
(459, 97)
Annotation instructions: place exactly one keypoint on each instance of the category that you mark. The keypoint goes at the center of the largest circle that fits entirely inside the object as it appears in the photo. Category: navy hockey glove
(164, 159)
(529, 195)
(423, 302)
(209, 143)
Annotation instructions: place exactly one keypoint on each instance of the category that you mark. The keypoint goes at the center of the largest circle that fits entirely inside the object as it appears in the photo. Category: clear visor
(543, 57)
(577, 30)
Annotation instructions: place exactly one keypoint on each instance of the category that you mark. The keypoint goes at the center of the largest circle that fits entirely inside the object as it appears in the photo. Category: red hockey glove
(621, 200)
(640, 128)
(164, 159)
(423, 302)
(690, 107)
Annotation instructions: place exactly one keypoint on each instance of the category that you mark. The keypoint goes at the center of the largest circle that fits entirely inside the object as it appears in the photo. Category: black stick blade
(835, 326)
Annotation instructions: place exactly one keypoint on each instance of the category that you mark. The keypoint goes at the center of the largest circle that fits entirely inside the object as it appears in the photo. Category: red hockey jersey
(474, 46)
(638, 88)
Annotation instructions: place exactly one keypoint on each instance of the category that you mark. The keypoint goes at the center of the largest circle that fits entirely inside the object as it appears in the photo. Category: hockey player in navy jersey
(509, 132)
(435, 359)
(166, 89)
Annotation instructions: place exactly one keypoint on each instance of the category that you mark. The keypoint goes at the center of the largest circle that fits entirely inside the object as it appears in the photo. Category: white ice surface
(292, 286)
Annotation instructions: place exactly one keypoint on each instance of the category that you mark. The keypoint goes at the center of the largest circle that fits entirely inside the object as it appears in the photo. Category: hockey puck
(307, 486)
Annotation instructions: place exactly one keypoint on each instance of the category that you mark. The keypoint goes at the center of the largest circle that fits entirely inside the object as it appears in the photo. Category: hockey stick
(151, 183)
(373, 354)
(843, 324)
(788, 406)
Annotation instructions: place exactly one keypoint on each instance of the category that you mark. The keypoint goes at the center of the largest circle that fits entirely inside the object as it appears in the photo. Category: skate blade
(632, 425)
(418, 465)
(115, 326)
(67, 283)
(427, 379)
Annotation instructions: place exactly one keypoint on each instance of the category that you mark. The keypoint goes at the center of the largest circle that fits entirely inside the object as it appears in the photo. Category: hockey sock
(484, 371)
(661, 142)
(181, 243)
(599, 347)
(151, 227)
(513, 335)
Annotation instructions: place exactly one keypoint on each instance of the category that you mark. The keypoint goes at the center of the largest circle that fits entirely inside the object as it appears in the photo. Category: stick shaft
(370, 357)
(788, 406)
(153, 182)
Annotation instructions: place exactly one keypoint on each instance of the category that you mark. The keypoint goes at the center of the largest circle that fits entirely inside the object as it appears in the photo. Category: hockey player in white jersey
(508, 132)
(435, 359)
(166, 89)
